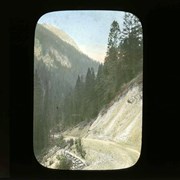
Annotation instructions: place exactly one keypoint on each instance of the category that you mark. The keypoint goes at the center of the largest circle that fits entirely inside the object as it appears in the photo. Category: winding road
(103, 155)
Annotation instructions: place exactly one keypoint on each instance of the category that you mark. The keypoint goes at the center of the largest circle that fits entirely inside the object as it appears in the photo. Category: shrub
(64, 163)
(79, 148)
(71, 142)
(61, 142)
(58, 157)
(51, 162)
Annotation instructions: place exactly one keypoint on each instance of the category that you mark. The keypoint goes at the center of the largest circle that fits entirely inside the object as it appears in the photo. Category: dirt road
(103, 155)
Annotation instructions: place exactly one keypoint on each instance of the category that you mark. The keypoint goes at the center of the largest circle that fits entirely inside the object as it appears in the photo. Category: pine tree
(89, 93)
(113, 41)
(111, 60)
(78, 100)
(99, 88)
(131, 45)
(122, 62)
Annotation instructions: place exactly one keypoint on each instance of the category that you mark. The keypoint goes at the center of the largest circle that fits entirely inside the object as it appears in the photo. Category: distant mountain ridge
(56, 50)
(61, 34)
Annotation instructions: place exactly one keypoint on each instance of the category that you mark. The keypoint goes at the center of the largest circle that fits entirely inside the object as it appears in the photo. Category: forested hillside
(123, 62)
(70, 88)
(57, 65)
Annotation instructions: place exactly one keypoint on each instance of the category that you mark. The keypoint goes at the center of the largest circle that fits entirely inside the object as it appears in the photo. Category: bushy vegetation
(64, 163)
(61, 142)
(79, 148)
(51, 162)
(71, 142)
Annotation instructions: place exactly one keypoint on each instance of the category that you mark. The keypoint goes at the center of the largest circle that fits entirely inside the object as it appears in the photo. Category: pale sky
(89, 29)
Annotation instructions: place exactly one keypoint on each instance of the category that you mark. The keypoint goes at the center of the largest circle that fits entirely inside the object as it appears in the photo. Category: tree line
(95, 90)
(123, 62)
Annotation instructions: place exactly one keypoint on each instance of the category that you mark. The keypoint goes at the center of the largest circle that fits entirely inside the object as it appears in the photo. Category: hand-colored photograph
(88, 86)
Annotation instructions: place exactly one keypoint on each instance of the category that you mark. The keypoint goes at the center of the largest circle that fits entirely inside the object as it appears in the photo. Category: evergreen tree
(122, 63)
(113, 41)
(89, 93)
(131, 45)
(111, 60)
(78, 101)
(99, 89)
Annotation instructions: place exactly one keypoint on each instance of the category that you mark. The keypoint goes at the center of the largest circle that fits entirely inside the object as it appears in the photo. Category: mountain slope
(122, 121)
(58, 62)
(57, 65)
(113, 139)
(61, 34)
(55, 52)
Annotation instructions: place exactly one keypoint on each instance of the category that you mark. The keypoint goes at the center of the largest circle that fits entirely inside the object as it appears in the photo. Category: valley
(113, 139)
(88, 115)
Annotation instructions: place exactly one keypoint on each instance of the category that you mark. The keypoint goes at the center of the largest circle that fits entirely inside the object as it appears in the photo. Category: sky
(89, 29)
